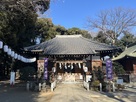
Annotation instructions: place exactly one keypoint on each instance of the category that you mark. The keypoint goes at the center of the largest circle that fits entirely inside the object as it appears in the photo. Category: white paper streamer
(72, 66)
(65, 65)
(79, 64)
(60, 66)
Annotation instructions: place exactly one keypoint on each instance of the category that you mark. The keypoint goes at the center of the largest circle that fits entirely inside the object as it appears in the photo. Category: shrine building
(71, 54)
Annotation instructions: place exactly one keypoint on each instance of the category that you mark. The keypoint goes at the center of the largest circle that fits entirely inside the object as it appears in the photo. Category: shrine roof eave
(129, 52)
(33, 50)
(66, 54)
(70, 44)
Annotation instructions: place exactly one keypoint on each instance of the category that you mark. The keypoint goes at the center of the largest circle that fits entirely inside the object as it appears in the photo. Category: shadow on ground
(120, 95)
(18, 93)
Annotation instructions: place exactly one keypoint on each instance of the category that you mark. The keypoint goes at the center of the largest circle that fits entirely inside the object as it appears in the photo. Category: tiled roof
(70, 44)
(130, 52)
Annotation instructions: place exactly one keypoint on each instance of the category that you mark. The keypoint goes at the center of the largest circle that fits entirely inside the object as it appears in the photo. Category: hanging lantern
(12, 53)
(28, 60)
(31, 60)
(24, 59)
(21, 58)
(1, 44)
(34, 59)
(15, 55)
(18, 57)
(5, 48)
(9, 51)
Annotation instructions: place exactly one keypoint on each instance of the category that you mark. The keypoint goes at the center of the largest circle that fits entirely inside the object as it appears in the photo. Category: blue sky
(74, 13)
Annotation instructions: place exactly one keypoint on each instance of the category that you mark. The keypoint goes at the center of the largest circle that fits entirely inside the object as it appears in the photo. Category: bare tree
(113, 22)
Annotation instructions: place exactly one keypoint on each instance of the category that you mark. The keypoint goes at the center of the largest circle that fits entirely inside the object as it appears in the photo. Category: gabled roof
(129, 52)
(70, 44)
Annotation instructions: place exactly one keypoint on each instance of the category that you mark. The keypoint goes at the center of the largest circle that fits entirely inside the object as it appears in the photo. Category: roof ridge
(66, 36)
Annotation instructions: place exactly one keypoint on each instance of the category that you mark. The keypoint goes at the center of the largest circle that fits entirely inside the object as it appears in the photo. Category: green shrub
(95, 85)
(27, 73)
(104, 86)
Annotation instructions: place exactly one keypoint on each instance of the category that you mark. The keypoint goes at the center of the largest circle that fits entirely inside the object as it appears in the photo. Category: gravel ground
(62, 93)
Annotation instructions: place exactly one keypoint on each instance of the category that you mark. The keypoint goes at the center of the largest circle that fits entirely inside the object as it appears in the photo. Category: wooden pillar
(90, 63)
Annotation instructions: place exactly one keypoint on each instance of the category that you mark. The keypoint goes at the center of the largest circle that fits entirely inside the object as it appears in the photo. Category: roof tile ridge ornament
(68, 36)
(95, 52)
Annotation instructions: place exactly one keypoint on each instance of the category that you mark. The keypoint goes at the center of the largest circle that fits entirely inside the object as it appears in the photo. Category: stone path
(76, 93)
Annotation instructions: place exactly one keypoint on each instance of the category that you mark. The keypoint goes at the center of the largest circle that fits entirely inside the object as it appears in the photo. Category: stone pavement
(62, 93)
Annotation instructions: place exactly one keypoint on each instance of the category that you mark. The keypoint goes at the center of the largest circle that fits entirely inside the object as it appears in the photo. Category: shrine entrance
(70, 71)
